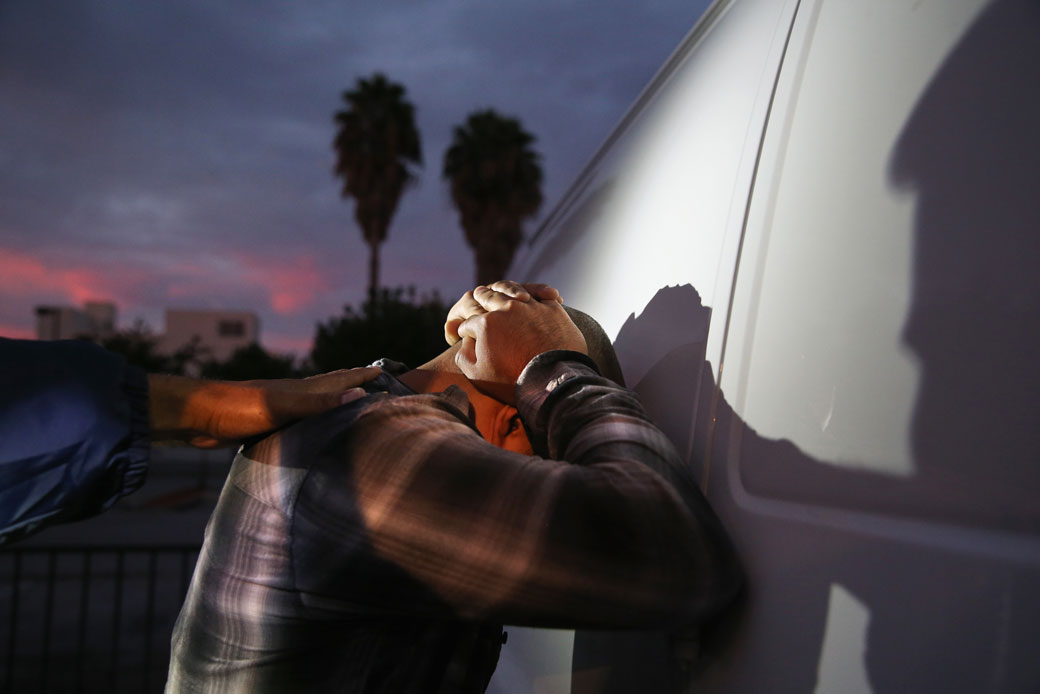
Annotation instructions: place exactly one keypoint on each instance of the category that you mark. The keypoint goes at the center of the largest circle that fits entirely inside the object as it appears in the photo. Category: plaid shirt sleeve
(606, 528)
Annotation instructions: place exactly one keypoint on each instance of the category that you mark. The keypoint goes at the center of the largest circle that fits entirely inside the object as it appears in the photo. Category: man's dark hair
(600, 349)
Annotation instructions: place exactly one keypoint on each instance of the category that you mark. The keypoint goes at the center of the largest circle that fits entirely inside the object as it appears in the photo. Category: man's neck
(441, 372)
(436, 375)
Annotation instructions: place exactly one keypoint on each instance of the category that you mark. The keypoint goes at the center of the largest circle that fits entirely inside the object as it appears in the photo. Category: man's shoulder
(379, 410)
(395, 408)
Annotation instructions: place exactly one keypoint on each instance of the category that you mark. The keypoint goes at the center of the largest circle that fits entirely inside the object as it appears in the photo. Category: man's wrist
(543, 376)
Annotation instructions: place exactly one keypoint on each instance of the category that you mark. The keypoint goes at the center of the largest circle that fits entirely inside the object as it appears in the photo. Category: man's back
(363, 549)
(288, 594)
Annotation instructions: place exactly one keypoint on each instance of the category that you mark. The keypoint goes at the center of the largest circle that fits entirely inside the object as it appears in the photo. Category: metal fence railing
(89, 618)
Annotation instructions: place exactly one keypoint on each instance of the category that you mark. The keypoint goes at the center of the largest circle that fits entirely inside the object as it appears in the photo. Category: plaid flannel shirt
(376, 547)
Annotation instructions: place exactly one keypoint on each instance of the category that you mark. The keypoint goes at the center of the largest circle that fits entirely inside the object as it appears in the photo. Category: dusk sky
(178, 154)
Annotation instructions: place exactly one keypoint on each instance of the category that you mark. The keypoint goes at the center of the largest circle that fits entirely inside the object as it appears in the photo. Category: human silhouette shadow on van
(936, 613)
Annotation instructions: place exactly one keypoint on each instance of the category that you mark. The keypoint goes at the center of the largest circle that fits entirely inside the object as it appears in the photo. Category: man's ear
(500, 423)
(510, 432)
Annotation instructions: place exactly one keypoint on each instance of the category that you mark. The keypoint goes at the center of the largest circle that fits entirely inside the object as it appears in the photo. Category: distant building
(96, 321)
(221, 332)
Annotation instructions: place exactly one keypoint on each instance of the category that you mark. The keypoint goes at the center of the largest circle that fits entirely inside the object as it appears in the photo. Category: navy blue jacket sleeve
(73, 432)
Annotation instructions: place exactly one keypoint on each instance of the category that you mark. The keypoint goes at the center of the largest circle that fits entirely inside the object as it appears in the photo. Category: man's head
(496, 334)
(599, 346)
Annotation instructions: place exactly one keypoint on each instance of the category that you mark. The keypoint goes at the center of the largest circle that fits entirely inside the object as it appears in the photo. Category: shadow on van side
(971, 152)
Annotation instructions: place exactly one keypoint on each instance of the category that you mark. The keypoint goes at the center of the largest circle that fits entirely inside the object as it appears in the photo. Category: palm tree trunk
(489, 268)
(373, 268)
(492, 259)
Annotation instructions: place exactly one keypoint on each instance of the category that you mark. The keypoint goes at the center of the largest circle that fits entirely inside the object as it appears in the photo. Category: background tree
(139, 346)
(391, 323)
(496, 183)
(376, 146)
(248, 363)
(190, 358)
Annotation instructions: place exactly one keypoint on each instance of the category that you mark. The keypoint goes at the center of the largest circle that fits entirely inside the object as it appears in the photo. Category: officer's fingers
(331, 382)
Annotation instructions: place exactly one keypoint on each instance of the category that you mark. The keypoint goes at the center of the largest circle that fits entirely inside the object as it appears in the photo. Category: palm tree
(377, 146)
(496, 181)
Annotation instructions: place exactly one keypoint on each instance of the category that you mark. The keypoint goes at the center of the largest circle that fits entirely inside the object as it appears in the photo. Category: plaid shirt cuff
(543, 381)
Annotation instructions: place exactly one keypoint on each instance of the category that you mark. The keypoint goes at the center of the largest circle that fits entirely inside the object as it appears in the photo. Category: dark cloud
(179, 135)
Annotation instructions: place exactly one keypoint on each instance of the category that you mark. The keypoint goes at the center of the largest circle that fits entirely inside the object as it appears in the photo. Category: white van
(815, 239)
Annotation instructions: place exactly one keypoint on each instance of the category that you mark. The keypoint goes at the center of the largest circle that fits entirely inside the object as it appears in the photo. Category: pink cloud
(19, 332)
(290, 283)
(22, 274)
(27, 280)
(37, 280)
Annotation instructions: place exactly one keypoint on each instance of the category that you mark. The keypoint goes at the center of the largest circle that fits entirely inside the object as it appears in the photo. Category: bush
(392, 323)
(250, 362)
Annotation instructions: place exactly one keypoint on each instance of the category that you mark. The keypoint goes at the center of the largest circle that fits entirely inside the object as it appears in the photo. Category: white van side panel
(878, 450)
(829, 208)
